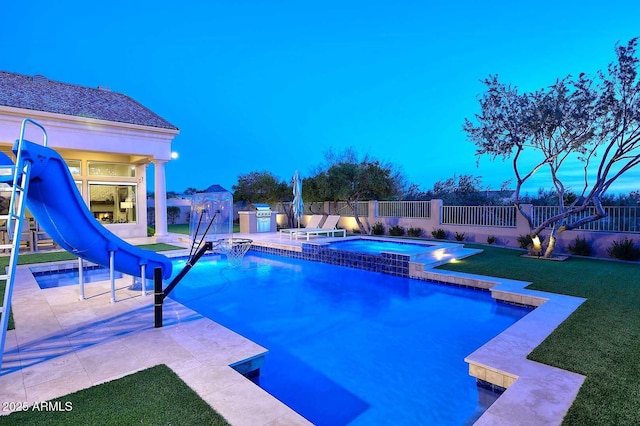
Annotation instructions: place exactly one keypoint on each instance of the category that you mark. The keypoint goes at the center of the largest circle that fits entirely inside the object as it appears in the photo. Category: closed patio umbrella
(298, 204)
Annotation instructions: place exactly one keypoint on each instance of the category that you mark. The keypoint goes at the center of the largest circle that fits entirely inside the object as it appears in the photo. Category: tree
(173, 212)
(347, 178)
(593, 122)
(261, 187)
(463, 190)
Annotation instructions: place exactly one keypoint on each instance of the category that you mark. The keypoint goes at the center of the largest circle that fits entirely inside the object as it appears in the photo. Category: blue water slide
(55, 203)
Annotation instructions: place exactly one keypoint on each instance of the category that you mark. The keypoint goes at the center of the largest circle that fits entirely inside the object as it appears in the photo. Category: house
(107, 140)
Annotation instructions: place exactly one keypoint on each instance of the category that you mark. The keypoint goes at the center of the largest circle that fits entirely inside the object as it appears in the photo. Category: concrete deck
(62, 345)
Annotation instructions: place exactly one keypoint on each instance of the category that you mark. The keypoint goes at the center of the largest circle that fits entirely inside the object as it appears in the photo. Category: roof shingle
(40, 94)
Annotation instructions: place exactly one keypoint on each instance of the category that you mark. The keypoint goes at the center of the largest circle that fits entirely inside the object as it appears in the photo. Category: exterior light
(174, 155)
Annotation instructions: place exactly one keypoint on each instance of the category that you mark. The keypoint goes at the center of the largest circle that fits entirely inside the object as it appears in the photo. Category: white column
(160, 198)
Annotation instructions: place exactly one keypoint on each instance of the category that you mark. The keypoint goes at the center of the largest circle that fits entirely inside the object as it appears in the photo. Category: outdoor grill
(263, 217)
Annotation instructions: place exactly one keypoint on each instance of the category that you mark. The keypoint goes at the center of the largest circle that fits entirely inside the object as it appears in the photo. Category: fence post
(373, 210)
(436, 211)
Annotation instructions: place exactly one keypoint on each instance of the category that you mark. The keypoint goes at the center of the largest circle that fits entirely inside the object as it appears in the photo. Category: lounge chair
(328, 228)
(314, 223)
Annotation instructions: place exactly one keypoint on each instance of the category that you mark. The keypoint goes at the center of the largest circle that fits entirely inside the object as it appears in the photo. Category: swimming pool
(362, 245)
(65, 277)
(353, 346)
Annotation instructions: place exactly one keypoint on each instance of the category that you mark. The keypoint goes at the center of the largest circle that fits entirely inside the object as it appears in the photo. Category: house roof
(41, 94)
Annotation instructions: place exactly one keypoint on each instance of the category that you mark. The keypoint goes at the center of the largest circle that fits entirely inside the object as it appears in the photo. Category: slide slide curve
(55, 203)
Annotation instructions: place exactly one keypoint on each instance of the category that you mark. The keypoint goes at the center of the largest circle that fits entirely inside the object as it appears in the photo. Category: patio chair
(314, 223)
(329, 228)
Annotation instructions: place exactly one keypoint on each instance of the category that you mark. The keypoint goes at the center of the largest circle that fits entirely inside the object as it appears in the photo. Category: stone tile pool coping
(535, 393)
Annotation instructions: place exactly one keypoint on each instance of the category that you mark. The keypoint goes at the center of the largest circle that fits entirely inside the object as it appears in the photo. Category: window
(113, 203)
(97, 168)
(74, 167)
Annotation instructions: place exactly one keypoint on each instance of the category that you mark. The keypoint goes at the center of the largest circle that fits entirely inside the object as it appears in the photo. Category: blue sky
(271, 85)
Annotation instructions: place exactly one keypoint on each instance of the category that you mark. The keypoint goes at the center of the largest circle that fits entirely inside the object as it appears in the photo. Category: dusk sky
(271, 85)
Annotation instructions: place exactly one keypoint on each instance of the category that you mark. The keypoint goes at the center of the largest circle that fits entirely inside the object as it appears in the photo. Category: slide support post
(143, 277)
(112, 275)
(81, 278)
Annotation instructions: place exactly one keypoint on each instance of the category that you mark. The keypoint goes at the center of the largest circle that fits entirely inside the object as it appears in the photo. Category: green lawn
(155, 396)
(179, 228)
(601, 340)
(183, 228)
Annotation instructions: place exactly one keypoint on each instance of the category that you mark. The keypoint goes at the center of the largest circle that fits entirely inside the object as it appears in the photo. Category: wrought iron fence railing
(497, 216)
(418, 209)
(343, 208)
(618, 219)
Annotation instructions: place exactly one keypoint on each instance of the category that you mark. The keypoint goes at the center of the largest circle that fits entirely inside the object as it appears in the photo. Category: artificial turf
(155, 396)
(599, 340)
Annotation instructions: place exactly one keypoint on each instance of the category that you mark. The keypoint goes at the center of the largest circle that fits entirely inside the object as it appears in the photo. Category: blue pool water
(348, 346)
(378, 246)
(70, 277)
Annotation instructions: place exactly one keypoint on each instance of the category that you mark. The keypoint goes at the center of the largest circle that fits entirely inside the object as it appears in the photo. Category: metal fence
(498, 216)
(285, 206)
(338, 208)
(420, 209)
(342, 208)
(618, 219)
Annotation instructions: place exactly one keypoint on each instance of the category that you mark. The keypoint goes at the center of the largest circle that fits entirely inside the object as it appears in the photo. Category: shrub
(625, 249)
(439, 234)
(491, 239)
(525, 241)
(414, 232)
(459, 236)
(579, 247)
(396, 231)
(377, 229)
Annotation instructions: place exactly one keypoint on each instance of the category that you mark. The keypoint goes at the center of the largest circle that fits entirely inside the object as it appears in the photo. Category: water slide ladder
(14, 221)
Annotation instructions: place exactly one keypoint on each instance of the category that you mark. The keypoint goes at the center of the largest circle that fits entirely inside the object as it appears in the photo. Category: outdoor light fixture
(174, 155)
